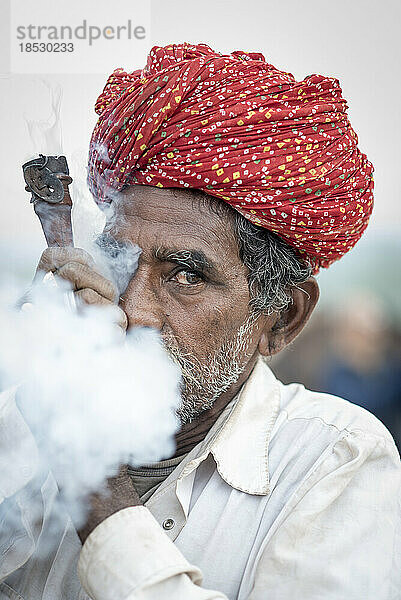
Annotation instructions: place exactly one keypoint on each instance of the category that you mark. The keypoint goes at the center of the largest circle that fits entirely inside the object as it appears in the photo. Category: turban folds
(281, 152)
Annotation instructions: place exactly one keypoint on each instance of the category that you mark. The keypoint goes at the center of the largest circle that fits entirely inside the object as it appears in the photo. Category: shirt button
(168, 524)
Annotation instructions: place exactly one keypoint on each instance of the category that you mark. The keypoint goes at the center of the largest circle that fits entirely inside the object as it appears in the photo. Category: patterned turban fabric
(279, 151)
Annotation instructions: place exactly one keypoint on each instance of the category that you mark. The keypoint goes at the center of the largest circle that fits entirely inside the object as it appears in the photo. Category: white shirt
(292, 494)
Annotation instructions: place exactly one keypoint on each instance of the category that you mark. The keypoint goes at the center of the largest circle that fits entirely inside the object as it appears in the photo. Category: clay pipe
(48, 178)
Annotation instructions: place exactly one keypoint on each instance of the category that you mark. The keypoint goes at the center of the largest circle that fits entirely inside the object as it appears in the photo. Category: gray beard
(203, 382)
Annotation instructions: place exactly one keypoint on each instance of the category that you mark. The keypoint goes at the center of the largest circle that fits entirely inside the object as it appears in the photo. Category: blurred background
(352, 345)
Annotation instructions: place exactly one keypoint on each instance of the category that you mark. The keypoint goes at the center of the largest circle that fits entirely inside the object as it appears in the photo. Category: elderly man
(238, 183)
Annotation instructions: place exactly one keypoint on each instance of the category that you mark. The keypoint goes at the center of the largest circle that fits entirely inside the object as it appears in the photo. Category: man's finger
(54, 258)
(82, 277)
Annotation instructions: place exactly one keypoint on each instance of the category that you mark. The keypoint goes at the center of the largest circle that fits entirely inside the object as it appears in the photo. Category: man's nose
(141, 304)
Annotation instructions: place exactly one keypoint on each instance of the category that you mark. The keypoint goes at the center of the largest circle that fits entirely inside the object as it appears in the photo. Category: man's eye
(188, 277)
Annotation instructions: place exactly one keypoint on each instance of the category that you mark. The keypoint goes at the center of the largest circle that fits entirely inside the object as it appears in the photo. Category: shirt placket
(167, 510)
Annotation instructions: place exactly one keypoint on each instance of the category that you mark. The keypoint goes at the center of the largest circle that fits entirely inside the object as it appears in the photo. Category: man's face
(190, 285)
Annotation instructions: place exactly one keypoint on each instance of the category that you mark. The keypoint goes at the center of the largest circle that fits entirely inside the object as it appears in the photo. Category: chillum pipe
(48, 178)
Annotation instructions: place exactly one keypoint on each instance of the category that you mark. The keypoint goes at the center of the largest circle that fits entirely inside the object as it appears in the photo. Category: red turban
(281, 152)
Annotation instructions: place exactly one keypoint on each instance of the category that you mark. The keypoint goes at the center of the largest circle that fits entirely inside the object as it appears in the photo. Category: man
(237, 183)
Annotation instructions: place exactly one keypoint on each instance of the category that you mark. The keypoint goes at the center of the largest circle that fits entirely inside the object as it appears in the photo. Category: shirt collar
(239, 439)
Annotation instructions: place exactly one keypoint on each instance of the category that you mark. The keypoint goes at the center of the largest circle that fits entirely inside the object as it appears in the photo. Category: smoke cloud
(87, 392)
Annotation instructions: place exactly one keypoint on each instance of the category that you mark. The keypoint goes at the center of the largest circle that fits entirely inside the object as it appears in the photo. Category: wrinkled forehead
(150, 216)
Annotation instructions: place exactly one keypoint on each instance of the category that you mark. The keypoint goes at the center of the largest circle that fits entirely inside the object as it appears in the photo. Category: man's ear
(285, 328)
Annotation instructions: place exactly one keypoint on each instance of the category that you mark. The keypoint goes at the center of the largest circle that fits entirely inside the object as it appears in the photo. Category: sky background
(356, 41)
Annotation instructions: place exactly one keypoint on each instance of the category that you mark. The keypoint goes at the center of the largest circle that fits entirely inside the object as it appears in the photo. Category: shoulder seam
(358, 430)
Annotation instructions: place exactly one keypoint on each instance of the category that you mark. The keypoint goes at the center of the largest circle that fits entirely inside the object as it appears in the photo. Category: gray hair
(274, 266)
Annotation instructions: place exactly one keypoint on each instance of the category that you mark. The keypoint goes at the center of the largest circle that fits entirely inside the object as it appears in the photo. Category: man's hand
(120, 493)
(78, 267)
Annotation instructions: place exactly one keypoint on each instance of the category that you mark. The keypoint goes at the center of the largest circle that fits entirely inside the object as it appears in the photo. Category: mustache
(189, 364)
(193, 369)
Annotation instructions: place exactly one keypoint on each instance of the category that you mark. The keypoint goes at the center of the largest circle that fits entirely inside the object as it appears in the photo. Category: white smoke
(87, 391)
(45, 133)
